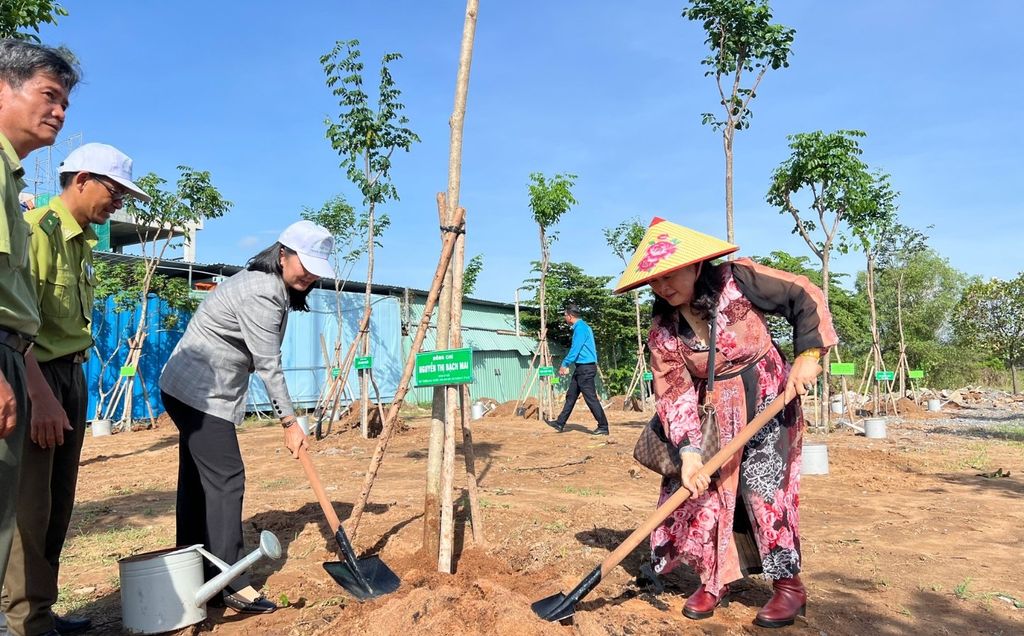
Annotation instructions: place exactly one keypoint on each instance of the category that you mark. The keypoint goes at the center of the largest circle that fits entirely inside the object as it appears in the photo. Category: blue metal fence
(301, 351)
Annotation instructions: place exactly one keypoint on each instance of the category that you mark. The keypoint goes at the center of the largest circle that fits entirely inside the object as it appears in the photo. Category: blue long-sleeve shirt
(583, 349)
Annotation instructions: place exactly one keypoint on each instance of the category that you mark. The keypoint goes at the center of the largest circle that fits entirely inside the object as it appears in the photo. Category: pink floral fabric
(661, 248)
(765, 481)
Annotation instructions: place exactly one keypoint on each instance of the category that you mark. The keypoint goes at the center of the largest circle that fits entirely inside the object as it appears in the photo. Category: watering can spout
(269, 547)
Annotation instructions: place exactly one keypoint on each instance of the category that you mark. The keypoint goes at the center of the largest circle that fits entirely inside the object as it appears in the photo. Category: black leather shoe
(599, 431)
(70, 624)
(555, 425)
(260, 606)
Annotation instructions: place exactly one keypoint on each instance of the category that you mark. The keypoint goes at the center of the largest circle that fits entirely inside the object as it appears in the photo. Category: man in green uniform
(35, 82)
(94, 180)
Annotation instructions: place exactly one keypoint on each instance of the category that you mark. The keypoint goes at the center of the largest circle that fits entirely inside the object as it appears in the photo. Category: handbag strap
(711, 353)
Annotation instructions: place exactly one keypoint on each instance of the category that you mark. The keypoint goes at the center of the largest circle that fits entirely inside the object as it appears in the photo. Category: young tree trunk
(364, 385)
(435, 447)
(642, 359)
(455, 272)
(728, 135)
(903, 341)
(876, 348)
(1013, 377)
(824, 412)
(448, 246)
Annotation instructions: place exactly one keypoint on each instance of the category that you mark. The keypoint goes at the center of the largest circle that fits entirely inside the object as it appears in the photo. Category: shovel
(561, 607)
(364, 578)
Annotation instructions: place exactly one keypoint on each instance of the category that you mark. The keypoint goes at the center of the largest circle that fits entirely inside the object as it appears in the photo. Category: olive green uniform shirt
(19, 308)
(62, 271)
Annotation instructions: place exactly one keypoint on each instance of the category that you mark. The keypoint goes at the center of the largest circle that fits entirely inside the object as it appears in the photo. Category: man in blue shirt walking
(583, 353)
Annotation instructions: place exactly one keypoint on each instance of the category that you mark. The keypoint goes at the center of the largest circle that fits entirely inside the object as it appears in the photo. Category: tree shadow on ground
(171, 440)
(286, 525)
(1012, 485)
(843, 610)
(978, 432)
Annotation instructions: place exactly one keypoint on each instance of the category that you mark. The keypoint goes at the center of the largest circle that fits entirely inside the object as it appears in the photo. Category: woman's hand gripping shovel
(561, 607)
(364, 578)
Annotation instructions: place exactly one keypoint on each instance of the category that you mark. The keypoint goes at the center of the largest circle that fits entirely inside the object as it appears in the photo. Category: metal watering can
(165, 590)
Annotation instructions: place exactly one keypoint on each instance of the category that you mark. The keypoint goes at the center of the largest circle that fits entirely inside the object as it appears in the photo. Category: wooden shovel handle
(681, 495)
(314, 481)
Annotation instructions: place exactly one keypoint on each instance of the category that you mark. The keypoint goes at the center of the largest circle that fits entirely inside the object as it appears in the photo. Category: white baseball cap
(313, 244)
(104, 160)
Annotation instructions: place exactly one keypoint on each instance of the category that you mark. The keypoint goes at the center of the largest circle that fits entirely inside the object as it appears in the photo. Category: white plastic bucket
(934, 405)
(477, 410)
(814, 460)
(100, 428)
(158, 590)
(303, 421)
(837, 406)
(874, 427)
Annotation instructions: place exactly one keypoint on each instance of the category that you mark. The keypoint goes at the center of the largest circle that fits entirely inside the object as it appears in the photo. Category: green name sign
(885, 376)
(438, 368)
(841, 368)
(335, 372)
(648, 376)
(364, 362)
(127, 372)
(916, 374)
(545, 371)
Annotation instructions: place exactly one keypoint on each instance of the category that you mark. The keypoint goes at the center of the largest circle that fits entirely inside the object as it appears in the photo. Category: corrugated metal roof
(481, 325)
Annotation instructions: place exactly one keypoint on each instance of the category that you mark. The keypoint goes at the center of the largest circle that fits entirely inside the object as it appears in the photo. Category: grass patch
(276, 484)
(1009, 432)
(557, 527)
(962, 589)
(584, 492)
(107, 546)
(487, 503)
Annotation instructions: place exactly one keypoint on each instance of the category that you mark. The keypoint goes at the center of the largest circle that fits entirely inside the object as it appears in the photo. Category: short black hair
(269, 261)
(572, 309)
(20, 61)
(66, 179)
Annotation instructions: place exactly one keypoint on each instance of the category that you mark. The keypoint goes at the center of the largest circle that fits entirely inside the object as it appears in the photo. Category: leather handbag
(656, 452)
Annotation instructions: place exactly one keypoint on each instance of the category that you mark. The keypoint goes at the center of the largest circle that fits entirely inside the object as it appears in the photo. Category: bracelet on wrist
(288, 422)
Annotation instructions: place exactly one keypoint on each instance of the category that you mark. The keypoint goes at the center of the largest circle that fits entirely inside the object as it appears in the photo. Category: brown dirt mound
(906, 405)
(508, 409)
(624, 403)
(471, 602)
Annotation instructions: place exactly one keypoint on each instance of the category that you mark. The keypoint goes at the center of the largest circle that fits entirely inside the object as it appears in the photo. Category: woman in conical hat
(745, 521)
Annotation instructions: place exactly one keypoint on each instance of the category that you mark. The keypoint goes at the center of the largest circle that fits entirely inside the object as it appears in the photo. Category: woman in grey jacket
(237, 330)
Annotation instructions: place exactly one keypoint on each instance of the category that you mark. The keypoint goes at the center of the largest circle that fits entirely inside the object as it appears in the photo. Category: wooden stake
(435, 445)
(447, 248)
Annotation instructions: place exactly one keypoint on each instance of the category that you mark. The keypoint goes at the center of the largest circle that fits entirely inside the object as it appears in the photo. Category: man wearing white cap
(94, 181)
(237, 329)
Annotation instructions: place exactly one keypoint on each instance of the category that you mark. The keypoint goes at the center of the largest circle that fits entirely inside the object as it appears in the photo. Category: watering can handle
(224, 567)
(314, 481)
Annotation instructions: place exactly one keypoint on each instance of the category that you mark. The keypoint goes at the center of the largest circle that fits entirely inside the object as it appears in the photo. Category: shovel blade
(553, 608)
(373, 579)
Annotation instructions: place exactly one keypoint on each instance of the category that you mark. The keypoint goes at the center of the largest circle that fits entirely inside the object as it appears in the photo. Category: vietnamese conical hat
(667, 247)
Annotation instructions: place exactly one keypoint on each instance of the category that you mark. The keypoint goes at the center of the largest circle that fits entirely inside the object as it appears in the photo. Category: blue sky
(610, 91)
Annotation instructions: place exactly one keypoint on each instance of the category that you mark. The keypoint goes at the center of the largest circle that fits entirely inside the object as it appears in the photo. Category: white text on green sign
(648, 376)
(842, 368)
(545, 371)
(451, 366)
(886, 376)
(364, 362)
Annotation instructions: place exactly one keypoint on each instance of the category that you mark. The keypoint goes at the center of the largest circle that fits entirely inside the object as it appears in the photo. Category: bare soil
(905, 535)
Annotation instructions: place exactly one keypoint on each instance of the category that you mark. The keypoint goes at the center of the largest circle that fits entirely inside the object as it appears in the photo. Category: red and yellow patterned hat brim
(667, 247)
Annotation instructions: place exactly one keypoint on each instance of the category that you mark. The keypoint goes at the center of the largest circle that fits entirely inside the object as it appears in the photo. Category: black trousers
(211, 484)
(583, 382)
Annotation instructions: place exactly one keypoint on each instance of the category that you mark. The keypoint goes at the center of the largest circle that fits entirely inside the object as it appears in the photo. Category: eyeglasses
(116, 195)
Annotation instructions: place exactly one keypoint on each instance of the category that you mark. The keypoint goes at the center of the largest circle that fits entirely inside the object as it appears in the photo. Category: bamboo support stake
(448, 246)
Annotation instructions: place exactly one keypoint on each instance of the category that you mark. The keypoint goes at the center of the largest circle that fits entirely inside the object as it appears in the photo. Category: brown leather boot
(788, 602)
(702, 603)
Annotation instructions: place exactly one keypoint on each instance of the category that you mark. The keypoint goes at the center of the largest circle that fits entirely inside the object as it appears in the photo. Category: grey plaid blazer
(237, 330)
